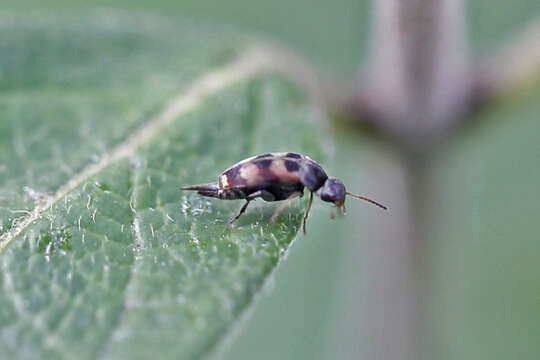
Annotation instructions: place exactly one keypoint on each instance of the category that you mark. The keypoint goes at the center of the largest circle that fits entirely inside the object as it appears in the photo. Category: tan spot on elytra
(279, 169)
(251, 174)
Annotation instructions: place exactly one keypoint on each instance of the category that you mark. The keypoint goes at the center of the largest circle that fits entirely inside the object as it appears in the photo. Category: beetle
(275, 177)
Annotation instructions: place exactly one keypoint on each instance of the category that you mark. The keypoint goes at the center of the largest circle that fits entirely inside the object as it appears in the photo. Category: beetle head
(333, 191)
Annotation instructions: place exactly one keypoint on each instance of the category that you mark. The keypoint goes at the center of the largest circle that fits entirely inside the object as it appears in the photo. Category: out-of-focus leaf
(103, 119)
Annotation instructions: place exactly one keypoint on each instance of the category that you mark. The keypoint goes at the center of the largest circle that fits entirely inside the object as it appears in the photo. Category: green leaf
(104, 118)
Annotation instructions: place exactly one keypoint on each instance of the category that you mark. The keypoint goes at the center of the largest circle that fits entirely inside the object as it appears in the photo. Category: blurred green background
(483, 269)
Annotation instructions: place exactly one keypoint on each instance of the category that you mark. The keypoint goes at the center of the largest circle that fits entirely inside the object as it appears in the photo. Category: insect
(276, 177)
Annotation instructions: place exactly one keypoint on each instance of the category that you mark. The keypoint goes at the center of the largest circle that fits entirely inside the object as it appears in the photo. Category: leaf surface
(104, 118)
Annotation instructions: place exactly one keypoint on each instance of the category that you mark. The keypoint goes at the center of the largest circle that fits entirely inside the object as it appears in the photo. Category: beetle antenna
(368, 200)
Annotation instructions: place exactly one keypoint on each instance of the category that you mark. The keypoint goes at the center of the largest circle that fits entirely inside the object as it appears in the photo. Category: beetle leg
(307, 212)
(242, 210)
(283, 205)
(265, 195)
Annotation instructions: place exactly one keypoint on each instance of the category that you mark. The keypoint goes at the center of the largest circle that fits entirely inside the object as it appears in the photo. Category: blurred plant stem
(419, 84)
(515, 65)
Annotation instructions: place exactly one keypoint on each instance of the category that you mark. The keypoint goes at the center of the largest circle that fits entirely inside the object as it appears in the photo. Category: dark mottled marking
(293, 156)
(283, 191)
(317, 170)
(314, 177)
(267, 176)
(264, 156)
(292, 165)
(263, 164)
